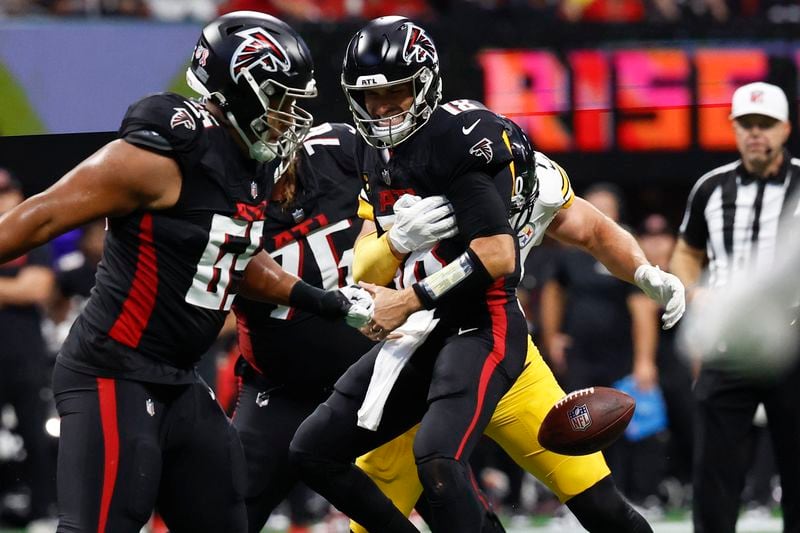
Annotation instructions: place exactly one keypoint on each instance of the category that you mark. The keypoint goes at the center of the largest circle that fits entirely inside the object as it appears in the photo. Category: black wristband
(330, 304)
(465, 271)
(428, 301)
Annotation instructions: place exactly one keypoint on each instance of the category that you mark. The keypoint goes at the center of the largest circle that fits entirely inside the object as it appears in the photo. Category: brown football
(586, 421)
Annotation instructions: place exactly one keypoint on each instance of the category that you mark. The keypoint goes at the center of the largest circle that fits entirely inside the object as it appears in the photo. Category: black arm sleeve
(479, 209)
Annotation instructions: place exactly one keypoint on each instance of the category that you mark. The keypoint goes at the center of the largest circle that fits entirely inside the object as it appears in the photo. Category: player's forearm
(616, 249)
(465, 274)
(25, 227)
(496, 253)
(584, 226)
(266, 281)
(374, 260)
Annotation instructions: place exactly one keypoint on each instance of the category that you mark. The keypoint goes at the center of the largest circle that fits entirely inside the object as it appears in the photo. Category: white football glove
(666, 289)
(421, 222)
(361, 306)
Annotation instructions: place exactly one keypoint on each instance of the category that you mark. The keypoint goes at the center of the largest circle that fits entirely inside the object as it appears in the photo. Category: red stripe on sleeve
(141, 299)
(106, 392)
(498, 353)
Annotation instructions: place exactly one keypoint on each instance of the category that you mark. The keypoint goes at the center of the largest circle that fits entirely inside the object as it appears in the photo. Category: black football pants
(128, 447)
(266, 418)
(451, 385)
(726, 404)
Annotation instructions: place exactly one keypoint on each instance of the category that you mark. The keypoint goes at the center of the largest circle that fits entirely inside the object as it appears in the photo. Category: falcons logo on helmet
(482, 148)
(258, 48)
(419, 47)
(182, 118)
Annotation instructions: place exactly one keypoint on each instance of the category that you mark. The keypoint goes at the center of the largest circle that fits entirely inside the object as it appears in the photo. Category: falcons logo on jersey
(258, 48)
(182, 118)
(482, 148)
(419, 47)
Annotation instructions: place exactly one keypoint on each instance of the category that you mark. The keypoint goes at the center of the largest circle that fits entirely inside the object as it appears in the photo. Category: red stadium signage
(667, 99)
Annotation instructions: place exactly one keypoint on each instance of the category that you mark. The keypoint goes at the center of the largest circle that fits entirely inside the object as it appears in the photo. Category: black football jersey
(312, 238)
(463, 152)
(167, 278)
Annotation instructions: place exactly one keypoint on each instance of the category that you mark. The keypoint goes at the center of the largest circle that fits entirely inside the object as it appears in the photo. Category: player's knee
(440, 475)
(602, 509)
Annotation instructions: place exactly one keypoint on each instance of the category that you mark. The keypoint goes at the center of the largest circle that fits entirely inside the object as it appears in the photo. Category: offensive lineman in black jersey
(185, 199)
(291, 358)
(464, 355)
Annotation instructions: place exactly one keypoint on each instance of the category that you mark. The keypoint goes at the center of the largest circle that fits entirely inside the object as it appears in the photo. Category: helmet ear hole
(233, 29)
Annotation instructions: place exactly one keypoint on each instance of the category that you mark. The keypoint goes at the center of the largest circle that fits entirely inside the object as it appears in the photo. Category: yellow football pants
(514, 426)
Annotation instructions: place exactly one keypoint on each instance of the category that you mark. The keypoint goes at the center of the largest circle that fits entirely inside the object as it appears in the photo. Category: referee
(735, 218)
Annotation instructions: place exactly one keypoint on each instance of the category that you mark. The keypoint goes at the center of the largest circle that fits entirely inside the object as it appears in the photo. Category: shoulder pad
(330, 134)
(336, 141)
(474, 139)
(555, 190)
(167, 120)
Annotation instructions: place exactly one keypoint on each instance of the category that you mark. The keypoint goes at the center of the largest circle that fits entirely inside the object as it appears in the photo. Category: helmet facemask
(281, 128)
(426, 88)
(526, 184)
(522, 203)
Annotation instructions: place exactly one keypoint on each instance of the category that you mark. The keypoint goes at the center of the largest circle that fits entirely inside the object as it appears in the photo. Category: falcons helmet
(391, 51)
(255, 67)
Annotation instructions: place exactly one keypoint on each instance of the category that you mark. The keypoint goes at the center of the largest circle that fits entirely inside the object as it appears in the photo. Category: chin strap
(259, 150)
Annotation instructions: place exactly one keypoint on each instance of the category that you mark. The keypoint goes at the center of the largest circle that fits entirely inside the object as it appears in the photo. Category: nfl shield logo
(579, 417)
(253, 190)
(386, 177)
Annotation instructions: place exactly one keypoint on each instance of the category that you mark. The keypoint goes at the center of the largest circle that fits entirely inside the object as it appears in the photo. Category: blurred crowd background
(613, 11)
(584, 321)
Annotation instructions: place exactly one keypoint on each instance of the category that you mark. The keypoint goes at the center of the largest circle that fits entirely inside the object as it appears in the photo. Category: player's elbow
(497, 253)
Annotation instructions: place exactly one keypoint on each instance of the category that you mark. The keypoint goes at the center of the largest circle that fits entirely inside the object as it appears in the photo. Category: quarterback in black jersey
(184, 196)
(291, 358)
(462, 343)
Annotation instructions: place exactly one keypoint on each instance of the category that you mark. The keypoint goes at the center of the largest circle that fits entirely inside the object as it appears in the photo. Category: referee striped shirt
(740, 219)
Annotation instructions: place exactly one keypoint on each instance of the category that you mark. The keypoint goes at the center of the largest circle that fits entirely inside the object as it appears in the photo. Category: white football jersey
(555, 193)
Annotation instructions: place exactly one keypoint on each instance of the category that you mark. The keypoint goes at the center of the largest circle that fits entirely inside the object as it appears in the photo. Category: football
(586, 421)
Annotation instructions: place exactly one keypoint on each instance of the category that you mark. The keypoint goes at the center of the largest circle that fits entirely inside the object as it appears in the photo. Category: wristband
(465, 270)
(330, 304)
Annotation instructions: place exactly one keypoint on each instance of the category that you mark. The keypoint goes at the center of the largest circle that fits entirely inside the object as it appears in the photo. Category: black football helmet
(255, 66)
(391, 51)
(526, 183)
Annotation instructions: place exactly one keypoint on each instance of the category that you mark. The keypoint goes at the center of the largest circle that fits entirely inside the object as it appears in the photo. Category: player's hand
(666, 289)
(392, 308)
(361, 306)
(421, 222)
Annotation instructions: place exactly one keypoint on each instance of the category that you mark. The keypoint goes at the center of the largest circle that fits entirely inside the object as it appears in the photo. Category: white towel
(390, 361)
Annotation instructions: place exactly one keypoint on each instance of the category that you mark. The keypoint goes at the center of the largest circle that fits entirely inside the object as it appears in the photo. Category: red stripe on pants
(106, 392)
(497, 311)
